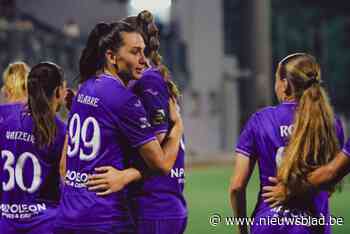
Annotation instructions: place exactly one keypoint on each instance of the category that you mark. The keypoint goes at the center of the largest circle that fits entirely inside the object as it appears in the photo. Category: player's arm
(320, 178)
(163, 158)
(243, 168)
(109, 179)
(63, 160)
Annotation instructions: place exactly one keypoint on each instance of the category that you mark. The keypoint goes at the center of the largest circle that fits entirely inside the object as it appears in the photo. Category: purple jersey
(264, 138)
(346, 148)
(106, 120)
(158, 196)
(29, 174)
(7, 109)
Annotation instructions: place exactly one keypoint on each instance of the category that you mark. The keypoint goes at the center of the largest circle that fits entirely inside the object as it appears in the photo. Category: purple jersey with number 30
(106, 120)
(263, 139)
(158, 196)
(29, 175)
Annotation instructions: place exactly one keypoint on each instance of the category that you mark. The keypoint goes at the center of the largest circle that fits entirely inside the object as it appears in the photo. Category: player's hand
(68, 99)
(175, 117)
(174, 111)
(107, 180)
(275, 195)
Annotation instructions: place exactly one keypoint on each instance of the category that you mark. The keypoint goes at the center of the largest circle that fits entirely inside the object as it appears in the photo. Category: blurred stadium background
(222, 53)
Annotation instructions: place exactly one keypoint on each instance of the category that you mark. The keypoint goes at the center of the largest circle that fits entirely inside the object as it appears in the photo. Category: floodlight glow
(161, 8)
(152, 5)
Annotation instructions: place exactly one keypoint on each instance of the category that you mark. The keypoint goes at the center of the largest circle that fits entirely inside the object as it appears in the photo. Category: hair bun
(145, 17)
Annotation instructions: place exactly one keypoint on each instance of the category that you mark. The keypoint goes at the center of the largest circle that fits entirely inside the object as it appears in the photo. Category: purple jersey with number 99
(263, 139)
(106, 120)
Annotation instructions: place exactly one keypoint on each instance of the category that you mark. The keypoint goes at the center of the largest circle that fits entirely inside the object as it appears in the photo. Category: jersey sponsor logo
(76, 179)
(179, 174)
(21, 211)
(88, 100)
(159, 117)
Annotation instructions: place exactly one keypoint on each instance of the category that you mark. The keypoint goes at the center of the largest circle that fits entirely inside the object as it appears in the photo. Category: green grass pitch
(206, 193)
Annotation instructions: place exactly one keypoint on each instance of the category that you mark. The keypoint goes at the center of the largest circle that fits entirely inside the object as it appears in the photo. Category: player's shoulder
(151, 76)
(10, 106)
(108, 90)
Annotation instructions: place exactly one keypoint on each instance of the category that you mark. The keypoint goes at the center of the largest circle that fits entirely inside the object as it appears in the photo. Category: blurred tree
(321, 28)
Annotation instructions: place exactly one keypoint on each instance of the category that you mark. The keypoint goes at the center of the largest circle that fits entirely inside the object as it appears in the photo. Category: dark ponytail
(144, 21)
(43, 80)
(101, 38)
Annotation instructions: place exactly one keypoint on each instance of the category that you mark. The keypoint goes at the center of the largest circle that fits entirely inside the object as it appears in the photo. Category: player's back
(265, 137)
(158, 196)
(30, 173)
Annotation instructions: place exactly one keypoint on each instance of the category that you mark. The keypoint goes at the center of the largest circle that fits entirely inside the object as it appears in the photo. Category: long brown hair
(43, 80)
(313, 141)
(144, 21)
(102, 38)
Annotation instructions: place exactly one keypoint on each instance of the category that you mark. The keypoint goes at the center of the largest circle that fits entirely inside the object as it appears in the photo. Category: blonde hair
(313, 141)
(15, 79)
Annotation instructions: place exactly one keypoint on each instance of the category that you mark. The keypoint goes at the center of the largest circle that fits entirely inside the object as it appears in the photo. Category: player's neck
(115, 76)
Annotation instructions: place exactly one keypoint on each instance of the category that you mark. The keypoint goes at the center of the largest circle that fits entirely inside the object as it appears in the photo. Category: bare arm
(63, 161)
(243, 169)
(320, 178)
(163, 158)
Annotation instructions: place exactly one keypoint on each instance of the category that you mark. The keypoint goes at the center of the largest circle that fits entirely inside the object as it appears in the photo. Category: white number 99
(81, 133)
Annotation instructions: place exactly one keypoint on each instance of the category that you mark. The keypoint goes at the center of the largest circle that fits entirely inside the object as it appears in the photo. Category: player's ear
(111, 57)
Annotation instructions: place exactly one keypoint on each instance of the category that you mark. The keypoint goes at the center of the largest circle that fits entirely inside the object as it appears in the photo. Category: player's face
(130, 57)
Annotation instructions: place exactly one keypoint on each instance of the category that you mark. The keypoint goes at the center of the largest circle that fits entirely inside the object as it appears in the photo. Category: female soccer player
(14, 89)
(158, 204)
(31, 141)
(302, 129)
(108, 123)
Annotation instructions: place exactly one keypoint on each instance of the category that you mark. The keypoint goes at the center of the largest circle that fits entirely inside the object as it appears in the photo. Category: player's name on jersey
(88, 100)
(19, 135)
(286, 130)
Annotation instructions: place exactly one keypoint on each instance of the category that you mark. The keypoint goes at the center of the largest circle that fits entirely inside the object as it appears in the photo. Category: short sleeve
(346, 148)
(133, 122)
(155, 101)
(246, 141)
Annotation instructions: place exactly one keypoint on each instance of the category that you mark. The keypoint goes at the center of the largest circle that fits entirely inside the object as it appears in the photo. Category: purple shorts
(161, 226)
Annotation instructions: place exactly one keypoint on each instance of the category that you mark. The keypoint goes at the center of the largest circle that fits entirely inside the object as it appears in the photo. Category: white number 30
(15, 171)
